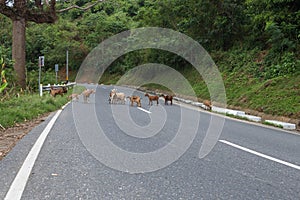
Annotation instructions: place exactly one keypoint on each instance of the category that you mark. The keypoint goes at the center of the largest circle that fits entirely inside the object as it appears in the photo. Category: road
(248, 161)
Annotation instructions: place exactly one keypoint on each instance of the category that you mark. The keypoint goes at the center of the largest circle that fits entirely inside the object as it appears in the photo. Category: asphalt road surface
(97, 150)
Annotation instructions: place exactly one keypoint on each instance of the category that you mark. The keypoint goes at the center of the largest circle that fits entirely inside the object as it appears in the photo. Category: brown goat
(168, 98)
(73, 96)
(152, 98)
(135, 99)
(58, 91)
(86, 94)
(207, 104)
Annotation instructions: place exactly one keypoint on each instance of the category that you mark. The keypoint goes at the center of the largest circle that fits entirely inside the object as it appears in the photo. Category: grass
(277, 96)
(244, 89)
(237, 117)
(153, 86)
(28, 106)
(271, 124)
(109, 79)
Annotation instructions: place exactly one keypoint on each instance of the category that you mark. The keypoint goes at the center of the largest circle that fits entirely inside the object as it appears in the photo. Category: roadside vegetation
(27, 107)
(254, 43)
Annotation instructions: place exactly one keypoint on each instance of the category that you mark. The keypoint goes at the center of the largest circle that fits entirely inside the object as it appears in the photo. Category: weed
(27, 107)
(271, 124)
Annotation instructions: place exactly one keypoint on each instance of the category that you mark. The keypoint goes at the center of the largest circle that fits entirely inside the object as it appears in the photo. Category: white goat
(117, 96)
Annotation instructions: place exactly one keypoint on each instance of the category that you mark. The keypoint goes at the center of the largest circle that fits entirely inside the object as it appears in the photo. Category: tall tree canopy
(271, 27)
(22, 11)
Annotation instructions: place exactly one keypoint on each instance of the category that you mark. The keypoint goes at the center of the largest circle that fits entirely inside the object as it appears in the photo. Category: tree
(21, 11)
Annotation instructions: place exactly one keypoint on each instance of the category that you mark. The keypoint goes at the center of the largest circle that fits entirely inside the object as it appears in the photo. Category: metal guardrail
(47, 87)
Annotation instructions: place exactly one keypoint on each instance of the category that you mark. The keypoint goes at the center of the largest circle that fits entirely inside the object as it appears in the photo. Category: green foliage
(5, 32)
(267, 25)
(27, 107)
(249, 62)
(96, 27)
(53, 42)
(6, 72)
(154, 86)
(272, 124)
(108, 78)
(249, 85)
(215, 24)
(287, 65)
(274, 24)
(251, 41)
(3, 83)
(47, 77)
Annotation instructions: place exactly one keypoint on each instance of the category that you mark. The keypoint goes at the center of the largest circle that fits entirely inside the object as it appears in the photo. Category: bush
(288, 65)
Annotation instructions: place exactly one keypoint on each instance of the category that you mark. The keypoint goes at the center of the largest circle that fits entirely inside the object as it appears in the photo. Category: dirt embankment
(10, 136)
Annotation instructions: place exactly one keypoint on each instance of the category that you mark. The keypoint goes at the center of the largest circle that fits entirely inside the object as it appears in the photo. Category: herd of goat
(116, 97)
(119, 97)
(62, 90)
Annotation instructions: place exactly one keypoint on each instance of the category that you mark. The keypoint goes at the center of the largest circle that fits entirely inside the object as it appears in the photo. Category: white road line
(142, 109)
(18, 185)
(261, 155)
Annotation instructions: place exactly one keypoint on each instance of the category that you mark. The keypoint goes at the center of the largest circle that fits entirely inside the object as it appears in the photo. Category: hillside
(277, 96)
(255, 45)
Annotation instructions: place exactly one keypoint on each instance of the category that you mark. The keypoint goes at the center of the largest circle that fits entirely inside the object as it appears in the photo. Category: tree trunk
(18, 50)
(20, 12)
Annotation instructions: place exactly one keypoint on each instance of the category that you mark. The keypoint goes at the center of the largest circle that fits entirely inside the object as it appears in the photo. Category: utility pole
(41, 64)
(67, 66)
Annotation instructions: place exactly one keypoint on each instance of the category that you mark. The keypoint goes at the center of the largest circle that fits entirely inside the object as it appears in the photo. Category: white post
(40, 69)
(67, 66)
(41, 64)
(41, 89)
(56, 70)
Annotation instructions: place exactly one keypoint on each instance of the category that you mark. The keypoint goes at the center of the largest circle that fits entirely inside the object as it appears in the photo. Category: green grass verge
(153, 86)
(109, 79)
(271, 124)
(29, 106)
(277, 96)
(236, 117)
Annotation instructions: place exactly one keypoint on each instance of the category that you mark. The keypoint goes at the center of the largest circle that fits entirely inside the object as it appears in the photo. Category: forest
(254, 43)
